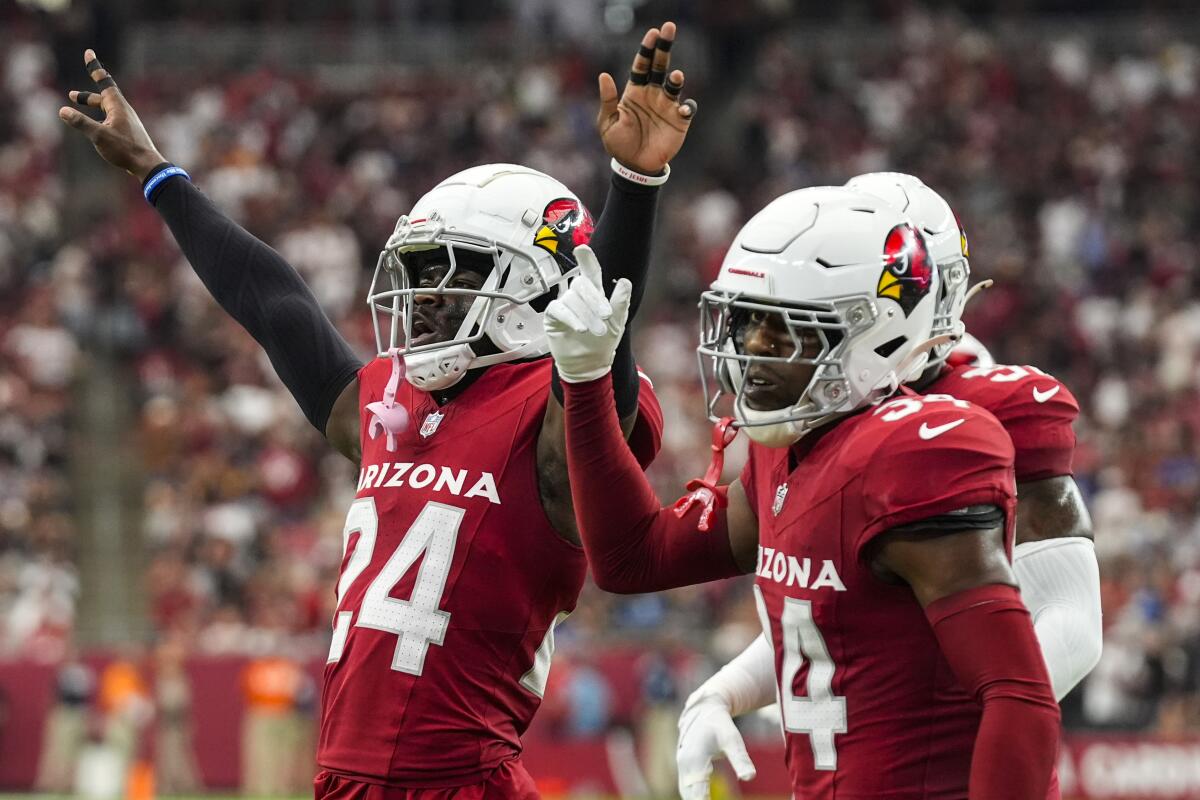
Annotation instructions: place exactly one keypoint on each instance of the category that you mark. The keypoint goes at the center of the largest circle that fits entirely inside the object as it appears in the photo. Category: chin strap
(976, 289)
(704, 490)
(386, 414)
(924, 347)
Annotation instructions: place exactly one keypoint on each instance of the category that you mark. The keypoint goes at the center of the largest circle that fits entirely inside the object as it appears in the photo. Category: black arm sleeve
(265, 295)
(622, 243)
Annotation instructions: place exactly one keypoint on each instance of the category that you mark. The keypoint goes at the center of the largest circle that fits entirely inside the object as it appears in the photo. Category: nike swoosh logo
(928, 433)
(1042, 397)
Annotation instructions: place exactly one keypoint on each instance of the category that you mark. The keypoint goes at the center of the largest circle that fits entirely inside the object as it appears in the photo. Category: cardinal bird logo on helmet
(566, 224)
(962, 239)
(907, 268)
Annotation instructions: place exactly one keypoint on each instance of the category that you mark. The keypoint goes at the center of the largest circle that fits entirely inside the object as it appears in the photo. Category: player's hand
(583, 326)
(707, 732)
(646, 126)
(120, 139)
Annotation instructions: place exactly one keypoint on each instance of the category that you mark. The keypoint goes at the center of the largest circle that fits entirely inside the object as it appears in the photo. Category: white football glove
(582, 326)
(706, 732)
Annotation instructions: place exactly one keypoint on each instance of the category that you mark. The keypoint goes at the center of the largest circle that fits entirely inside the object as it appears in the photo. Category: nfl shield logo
(430, 425)
(780, 496)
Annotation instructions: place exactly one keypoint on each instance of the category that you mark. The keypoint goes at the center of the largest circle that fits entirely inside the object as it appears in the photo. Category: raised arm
(642, 129)
(252, 282)
(633, 543)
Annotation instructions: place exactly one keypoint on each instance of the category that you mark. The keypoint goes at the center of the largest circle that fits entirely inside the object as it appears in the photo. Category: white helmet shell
(528, 222)
(947, 241)
(842, 264)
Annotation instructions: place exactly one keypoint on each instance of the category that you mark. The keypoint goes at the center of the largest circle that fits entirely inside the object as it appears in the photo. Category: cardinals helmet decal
(907, 268)
(566, 224)
(962, 237)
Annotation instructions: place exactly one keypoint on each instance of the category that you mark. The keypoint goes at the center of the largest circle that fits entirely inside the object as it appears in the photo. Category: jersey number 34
(820, 715)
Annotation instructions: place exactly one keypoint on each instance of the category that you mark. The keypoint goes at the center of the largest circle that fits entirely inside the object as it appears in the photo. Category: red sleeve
(1038, 414)
(633, 544)
(747, 480)
(986, 636)
(943, 457)
(645, 440)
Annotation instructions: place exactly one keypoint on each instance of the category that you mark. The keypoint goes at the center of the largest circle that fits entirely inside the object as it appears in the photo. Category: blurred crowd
(1073, 166)
(39, 353)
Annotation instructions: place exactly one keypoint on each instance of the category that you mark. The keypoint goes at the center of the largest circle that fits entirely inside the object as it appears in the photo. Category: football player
(879, 524)
(1054, 559)
(460, 551)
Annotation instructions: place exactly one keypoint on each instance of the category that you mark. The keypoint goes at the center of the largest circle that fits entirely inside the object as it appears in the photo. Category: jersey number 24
(418, 621)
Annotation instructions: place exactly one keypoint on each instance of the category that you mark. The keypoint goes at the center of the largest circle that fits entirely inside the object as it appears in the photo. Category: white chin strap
(914, 363)
(771, 434)
(779, 434)
(438, 369)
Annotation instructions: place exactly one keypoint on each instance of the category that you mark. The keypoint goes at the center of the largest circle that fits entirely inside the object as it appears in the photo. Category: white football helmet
(842, 264)
(947, 242)
(528, 223)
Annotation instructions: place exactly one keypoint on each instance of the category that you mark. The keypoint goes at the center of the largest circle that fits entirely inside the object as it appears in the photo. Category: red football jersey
(1035, 409)
(870, 707)
(451, 584)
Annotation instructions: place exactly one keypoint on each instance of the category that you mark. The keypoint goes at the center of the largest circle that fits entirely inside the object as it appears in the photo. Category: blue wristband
(151, 185)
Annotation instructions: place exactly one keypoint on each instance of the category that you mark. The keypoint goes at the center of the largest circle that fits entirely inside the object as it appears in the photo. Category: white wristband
(637, 177)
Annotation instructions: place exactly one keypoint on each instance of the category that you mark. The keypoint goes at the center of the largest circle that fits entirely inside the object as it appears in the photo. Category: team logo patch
(962, 237)
(780, 496)
(430, 425)
(907, 268)
(566, 224)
